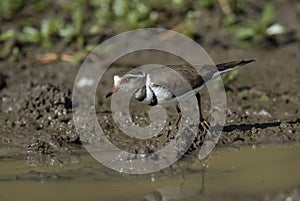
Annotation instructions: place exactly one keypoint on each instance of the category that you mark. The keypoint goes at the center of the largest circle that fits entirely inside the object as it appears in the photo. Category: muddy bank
(263, 103)
(263, 99)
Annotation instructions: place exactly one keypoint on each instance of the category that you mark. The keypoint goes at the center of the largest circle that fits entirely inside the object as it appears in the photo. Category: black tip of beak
(249, 61)
(108, 94)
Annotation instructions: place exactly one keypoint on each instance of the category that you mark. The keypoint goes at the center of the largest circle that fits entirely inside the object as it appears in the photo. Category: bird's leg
(179, 115)
(204, 124)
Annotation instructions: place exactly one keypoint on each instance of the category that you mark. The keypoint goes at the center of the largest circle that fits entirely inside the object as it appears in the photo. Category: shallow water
(231, 173)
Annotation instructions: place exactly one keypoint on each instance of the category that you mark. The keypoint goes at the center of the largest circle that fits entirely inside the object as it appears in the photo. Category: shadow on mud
(248, 127)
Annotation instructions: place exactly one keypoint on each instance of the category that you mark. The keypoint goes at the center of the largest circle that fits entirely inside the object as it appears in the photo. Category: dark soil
(263, 100)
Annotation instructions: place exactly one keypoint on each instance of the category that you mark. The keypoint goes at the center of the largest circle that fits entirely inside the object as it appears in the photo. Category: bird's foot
(205, 125)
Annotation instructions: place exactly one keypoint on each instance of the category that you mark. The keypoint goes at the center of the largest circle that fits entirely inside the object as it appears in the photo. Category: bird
(158, 86)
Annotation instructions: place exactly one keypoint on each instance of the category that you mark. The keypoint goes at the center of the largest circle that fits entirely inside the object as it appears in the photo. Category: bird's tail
(227, 66)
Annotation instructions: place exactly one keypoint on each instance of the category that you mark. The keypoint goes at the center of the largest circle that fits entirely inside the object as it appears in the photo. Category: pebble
(263, 112)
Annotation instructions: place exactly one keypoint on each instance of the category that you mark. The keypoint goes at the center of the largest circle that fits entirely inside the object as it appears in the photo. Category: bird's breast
(153, 95)
(161, 93)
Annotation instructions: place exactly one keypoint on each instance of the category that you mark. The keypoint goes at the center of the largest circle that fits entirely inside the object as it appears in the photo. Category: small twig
(51, 57)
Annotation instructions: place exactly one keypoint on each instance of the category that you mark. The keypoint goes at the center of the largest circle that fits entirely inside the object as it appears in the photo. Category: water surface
(232, 173)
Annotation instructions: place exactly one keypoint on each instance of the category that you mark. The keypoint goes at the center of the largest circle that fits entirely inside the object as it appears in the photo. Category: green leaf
(7, 6)
(268, 14)
(7, 35)
(67, 33)
(229, 20)
(120, 8)
(208, 3)
(264, 97)
(30, 35)
(244, 33)
(49, 26)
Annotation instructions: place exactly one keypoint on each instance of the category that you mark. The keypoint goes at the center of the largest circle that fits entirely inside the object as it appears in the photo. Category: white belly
(162, 94)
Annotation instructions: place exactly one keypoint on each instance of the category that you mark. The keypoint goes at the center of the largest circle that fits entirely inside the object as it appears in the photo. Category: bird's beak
(114, 90)
(108, 94)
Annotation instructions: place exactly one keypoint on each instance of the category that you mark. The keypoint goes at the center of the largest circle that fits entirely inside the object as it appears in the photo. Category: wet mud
(263, 104)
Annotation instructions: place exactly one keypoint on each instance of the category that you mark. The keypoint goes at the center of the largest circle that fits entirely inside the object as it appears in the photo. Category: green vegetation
(57, 24)
(252, 30)
(72, 23)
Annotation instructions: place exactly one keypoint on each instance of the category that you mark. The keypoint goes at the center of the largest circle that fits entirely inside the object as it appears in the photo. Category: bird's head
(128, 82)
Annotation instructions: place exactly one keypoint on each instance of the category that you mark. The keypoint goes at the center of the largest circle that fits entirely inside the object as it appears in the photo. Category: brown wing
(232, 64)
(192, 76)
(197, 74)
